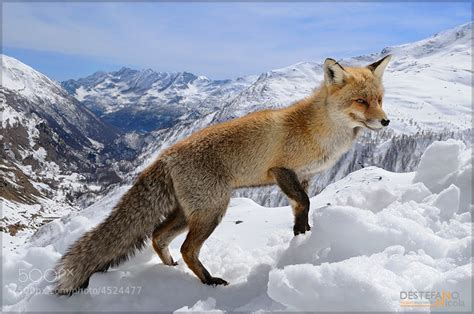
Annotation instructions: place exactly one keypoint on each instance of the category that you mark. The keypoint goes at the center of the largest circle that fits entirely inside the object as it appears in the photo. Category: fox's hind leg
(201, 224)
(203, 192)
(174, 225)
(289, 183)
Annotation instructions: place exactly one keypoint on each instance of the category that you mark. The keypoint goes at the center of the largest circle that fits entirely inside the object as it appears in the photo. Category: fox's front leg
(289, 183)
(305, 185)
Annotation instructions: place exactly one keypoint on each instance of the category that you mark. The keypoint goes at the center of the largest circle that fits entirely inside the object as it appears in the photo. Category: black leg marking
(288, 181)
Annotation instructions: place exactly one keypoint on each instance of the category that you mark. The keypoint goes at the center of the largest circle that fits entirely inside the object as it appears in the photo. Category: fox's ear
(334, 73)
(378, 67)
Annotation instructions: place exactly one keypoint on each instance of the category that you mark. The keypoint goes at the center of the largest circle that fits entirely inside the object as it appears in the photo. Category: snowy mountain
(52, 146)
(146, 100)
(48, 99)
(274, 89)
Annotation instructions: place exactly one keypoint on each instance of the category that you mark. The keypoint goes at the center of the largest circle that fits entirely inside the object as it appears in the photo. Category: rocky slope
(53, 148)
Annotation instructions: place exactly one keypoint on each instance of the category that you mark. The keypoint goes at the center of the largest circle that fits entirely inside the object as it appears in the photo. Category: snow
(9, 116)
(365, 283)
(447, 201)
(80, 93)
(40, 154)
(375, 235)
(207, 306)
(357, 284)
(446, 163)
(19, 77)
(96, 144)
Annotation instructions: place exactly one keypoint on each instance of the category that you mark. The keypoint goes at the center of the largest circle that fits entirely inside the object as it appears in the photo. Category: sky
(216, 39)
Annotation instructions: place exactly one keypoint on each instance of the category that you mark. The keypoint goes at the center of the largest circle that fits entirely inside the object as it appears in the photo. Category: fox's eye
(361, 101)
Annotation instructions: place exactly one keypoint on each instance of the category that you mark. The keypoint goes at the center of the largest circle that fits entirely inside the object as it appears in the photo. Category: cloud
(221, 39)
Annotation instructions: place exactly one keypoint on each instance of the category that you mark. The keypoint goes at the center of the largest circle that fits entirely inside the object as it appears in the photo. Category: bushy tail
(122, 233)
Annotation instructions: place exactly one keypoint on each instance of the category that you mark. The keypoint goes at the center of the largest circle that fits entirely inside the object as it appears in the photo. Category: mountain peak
(438, 43)
(25, 80)
(125, 71)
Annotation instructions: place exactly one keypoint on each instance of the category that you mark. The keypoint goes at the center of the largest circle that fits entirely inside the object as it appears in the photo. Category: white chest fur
(333, 148)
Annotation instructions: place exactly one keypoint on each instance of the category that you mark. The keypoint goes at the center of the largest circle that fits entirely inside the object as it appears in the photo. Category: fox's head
(354, 95)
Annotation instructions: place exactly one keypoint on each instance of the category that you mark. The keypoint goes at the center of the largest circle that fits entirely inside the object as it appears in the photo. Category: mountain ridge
(145, 100)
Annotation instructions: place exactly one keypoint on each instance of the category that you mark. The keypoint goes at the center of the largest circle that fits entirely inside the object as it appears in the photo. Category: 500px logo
(35, 274)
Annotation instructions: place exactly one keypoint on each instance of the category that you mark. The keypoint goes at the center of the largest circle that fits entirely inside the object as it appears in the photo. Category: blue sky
(219, 40)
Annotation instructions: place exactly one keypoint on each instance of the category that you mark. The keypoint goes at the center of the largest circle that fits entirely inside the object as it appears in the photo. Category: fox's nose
(385, 122)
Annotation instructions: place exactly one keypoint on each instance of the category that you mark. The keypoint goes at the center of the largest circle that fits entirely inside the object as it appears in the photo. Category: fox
(188, 187)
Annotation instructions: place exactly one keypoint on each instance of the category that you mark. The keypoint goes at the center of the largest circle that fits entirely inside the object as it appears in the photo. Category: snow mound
(366, 283)
(400, 237)
(446, 163)
(207, 306)
(377, 237)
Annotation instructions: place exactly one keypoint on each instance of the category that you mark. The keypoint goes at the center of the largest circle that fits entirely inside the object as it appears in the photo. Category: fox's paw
(298, 229)
(215, 281)
(301, 224)
(301, 228)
